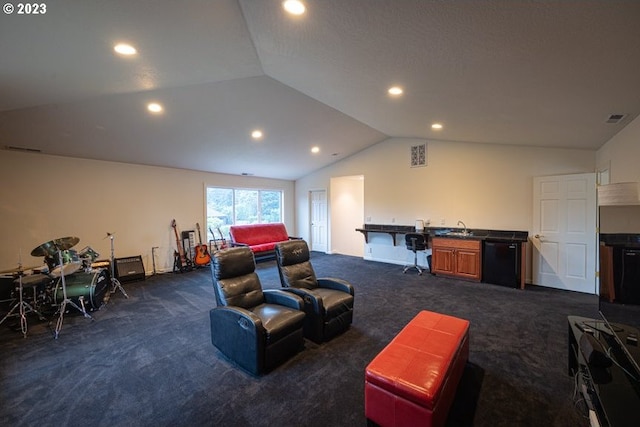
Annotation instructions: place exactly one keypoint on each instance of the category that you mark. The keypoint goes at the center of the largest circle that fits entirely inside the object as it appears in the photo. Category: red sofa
(260, 238)
(413, 380)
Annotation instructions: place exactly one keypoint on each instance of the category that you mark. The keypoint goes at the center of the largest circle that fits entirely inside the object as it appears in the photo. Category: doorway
(347, 214)
(564, 238)
(319, 230)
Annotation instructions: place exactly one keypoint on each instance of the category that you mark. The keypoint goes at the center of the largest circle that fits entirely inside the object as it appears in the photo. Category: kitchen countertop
(480, 234)
(626, 240)
(474, 234)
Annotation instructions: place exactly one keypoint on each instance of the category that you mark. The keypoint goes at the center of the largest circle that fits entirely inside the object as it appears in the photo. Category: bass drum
(91, 286)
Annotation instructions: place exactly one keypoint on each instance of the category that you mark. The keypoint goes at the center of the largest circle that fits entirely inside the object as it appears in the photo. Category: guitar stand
(178, 266)
(180, 261)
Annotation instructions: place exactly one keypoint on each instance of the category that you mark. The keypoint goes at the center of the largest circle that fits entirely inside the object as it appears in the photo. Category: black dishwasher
(501, 263)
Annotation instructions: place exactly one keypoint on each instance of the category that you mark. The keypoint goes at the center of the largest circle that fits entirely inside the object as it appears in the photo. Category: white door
(564, 232)
(318, 220)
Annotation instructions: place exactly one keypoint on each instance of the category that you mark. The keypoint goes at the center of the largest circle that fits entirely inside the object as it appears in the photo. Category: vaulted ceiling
(535, 73)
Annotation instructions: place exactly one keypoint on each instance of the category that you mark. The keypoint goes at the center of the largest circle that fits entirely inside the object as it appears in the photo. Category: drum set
(68, 279)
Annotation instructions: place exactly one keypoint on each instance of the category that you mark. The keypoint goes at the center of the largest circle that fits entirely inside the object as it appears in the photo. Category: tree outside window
(228, 206)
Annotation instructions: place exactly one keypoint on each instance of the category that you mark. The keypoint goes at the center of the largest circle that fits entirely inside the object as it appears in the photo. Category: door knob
(539, 237)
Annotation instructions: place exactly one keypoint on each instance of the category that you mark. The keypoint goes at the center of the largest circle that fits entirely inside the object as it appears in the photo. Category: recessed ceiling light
(294, 7)
(395, 90)
(125, 49)
(256, 134)
(315, 150)
(154, 107)
(436, 126)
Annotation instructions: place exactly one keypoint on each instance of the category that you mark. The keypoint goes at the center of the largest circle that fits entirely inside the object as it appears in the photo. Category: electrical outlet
(369, 250)
(442, 221)
(368, 219)
(393, 220)
(427, 221)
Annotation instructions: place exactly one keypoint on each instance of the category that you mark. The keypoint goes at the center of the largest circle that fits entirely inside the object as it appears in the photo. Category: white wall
(485, 185)
(621, 156)
(47, 197)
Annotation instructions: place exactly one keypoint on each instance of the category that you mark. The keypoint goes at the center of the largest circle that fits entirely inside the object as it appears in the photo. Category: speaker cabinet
(129, 269)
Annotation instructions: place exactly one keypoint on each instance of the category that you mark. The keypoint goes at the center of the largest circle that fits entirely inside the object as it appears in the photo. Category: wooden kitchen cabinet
(456, 257)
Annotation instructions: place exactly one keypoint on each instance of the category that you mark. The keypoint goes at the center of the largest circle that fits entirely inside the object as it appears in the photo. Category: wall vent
(419, 155)
(616, 118)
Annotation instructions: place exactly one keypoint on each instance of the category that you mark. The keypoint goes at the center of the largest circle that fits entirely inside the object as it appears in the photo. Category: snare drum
(91, 286)
(70, 263)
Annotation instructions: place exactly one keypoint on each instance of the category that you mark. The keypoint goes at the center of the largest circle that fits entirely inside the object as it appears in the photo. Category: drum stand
(22, 306)
(65, 301)
(115, 283)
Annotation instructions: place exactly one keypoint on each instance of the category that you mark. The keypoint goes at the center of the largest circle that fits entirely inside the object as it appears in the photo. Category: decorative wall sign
(419, 155)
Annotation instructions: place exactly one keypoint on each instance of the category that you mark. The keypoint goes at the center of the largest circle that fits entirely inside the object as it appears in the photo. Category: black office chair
(256, 329)
(415, 242)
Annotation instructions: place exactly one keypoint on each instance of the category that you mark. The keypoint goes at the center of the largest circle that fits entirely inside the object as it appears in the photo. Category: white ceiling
(537, 73)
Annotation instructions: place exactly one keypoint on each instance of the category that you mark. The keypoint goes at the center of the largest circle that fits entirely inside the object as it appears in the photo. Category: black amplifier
(129, 269)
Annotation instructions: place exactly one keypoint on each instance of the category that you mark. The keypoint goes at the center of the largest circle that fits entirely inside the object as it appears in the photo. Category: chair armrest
(236, 244)
(288, 299)
(311, 302)
(239, 335)
(294, 238)
(238, 316)
(336, 284)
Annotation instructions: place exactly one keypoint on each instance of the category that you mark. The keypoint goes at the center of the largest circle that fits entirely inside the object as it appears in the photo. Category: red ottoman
(413, 380)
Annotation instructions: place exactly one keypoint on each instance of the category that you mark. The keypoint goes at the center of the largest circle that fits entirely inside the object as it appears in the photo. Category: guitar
(202, 256)
(181, 262)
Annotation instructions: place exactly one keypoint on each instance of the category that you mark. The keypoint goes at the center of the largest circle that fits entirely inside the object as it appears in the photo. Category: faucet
(465, 227)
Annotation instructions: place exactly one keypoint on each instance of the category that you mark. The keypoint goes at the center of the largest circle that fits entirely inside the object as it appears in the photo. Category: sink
(459, 233)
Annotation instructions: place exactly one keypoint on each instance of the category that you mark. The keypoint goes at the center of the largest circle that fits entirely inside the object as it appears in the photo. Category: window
(227, 206)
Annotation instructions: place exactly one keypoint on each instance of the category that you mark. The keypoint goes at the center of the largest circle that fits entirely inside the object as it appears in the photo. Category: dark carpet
(148, 360)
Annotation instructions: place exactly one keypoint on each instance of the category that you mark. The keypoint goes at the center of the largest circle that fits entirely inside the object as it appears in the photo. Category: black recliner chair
(256, 329)
(328, 302)
(415, 242)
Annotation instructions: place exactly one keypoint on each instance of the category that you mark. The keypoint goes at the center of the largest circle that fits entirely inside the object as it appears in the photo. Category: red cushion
(258, 234)
(263, 247)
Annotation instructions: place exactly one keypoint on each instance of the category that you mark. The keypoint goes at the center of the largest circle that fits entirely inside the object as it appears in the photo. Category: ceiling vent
(23, 149)
(616, 118)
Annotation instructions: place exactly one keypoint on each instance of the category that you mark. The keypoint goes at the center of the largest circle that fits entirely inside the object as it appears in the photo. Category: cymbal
(51, 247)
(18, 269)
